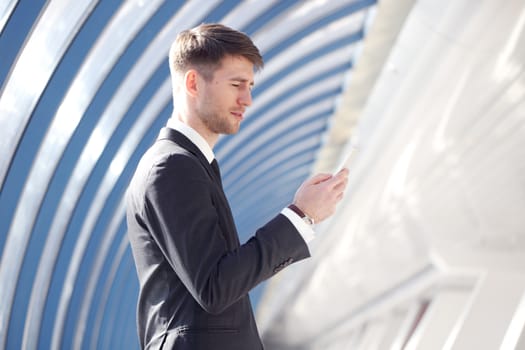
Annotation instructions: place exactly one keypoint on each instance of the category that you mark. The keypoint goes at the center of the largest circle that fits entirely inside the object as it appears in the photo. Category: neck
(196, 124)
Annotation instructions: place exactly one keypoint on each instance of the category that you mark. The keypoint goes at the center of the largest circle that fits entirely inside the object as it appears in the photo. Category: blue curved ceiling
(85, 89)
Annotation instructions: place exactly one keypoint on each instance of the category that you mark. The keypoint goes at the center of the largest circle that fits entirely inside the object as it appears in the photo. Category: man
(194, 274)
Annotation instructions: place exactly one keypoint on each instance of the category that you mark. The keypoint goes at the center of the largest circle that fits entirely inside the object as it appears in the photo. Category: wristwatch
(307, 219)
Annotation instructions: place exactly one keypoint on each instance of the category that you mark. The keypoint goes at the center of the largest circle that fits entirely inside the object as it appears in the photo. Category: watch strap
(301, 214)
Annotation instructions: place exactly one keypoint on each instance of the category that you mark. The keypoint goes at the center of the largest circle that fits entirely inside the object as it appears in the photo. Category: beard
(218, 124)
(214, 114)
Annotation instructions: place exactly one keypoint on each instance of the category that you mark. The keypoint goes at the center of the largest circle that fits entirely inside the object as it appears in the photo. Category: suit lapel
(184, 142)
(181, 140)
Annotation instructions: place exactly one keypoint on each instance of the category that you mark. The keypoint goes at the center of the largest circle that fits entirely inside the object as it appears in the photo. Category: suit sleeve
(181, 207)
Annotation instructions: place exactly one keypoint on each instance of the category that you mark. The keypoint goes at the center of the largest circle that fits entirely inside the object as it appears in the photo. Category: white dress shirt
(305, 230)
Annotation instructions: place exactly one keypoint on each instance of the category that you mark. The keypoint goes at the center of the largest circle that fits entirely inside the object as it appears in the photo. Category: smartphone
(349, 158)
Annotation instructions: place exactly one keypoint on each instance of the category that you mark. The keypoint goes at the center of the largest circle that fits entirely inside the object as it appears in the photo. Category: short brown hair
(204, 47)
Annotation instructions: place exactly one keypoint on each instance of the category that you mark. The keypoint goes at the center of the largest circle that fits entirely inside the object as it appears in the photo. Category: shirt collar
(194, 137)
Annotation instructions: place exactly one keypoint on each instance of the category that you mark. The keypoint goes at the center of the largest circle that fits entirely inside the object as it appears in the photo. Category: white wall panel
(438, 181)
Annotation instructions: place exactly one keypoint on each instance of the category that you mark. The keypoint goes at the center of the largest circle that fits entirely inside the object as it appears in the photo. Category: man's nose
(245, 98)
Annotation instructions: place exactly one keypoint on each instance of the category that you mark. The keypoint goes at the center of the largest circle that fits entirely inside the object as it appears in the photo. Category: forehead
(235, 67)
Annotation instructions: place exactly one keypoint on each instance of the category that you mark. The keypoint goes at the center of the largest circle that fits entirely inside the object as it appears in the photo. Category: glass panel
(6, 7)
(50, 38)
(246, 12)
(296, 19)
(134, 136)
(101, 59)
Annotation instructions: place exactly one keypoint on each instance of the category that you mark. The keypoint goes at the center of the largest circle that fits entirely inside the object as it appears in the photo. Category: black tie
(215, 166)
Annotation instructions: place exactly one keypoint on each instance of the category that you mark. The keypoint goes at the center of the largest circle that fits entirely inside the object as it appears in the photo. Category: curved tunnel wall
(84, 90)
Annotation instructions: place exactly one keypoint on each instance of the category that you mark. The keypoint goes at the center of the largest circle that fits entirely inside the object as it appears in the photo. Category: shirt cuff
(306, 231)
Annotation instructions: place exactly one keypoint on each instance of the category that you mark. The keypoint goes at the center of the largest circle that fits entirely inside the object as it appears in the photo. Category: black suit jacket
(194, 275)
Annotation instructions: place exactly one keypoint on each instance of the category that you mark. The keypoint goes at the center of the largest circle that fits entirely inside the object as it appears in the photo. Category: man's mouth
(238, 115)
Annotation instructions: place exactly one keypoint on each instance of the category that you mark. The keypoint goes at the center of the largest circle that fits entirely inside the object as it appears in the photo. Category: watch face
(308, 220)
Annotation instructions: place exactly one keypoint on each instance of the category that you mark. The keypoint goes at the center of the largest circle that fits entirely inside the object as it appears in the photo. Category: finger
(340, 188)
(340, 178)
(341, 175)
(318, 179)
(343, 172)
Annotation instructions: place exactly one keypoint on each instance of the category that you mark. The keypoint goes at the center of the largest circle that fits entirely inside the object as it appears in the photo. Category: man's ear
(190, 82)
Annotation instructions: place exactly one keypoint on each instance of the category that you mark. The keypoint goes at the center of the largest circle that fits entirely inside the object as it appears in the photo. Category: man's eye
(236, 84)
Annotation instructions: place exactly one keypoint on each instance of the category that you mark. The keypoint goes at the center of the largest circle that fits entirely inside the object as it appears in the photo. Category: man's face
(223, 100)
